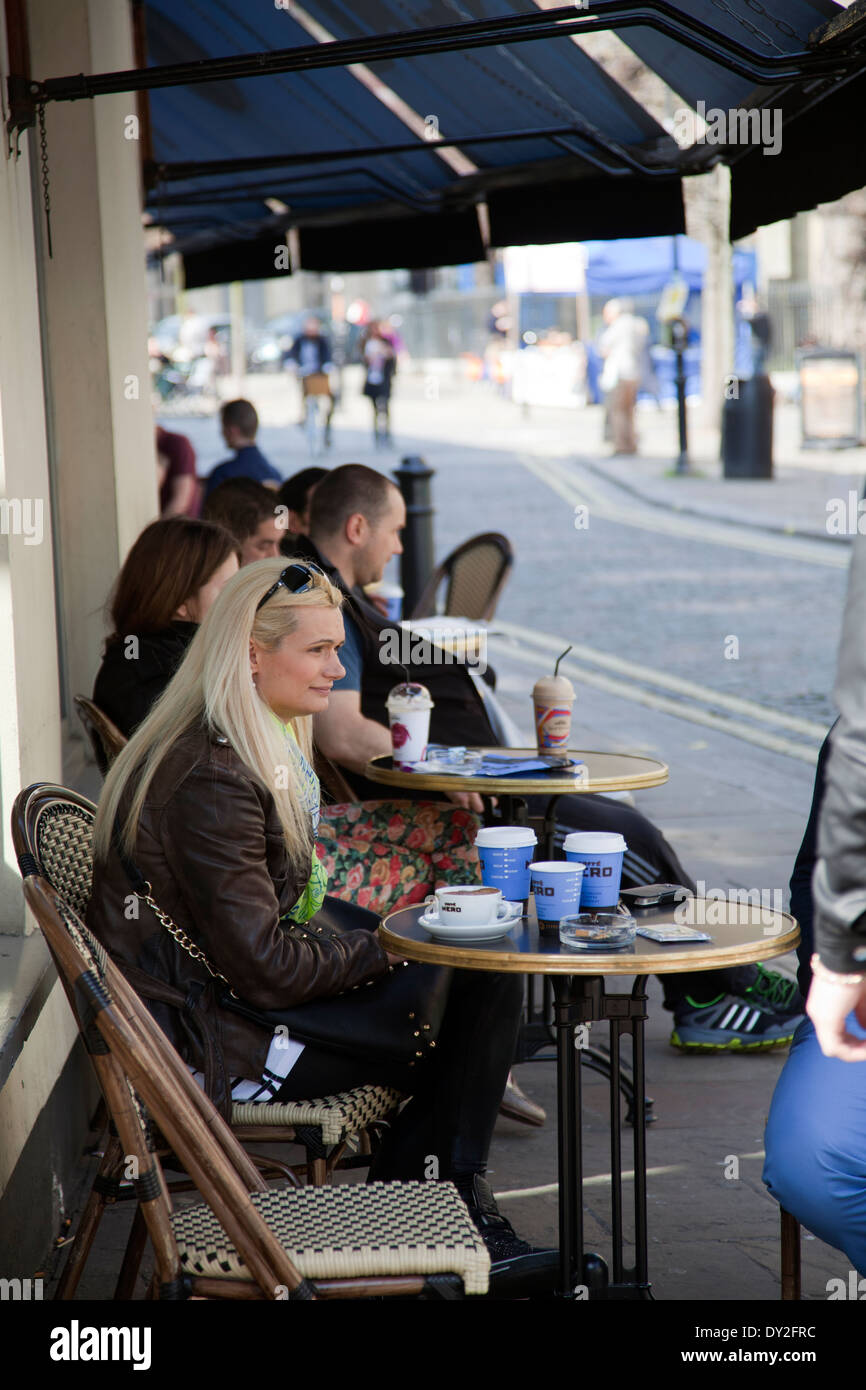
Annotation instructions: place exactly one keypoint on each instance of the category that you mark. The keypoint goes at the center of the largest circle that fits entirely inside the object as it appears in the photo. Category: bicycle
(318, 404)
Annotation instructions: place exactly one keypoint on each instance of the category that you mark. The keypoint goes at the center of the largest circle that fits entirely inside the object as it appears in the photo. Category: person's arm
(346, 736)
(180, 500)
(214, 838)
(802, 904)
(839, 881)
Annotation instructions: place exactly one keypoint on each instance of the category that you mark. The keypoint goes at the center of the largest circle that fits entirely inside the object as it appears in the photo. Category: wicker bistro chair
(105, 737)
(52, 830)
(475, 573)
(246, 1241)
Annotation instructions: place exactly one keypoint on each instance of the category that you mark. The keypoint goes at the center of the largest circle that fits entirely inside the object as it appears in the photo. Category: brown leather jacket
(211, 845)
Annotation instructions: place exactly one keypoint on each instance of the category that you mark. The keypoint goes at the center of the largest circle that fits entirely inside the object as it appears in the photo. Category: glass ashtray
(597, 931)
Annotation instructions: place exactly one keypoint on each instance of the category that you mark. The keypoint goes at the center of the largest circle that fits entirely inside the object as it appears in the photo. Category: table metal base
(582, 999)
(538, 1032)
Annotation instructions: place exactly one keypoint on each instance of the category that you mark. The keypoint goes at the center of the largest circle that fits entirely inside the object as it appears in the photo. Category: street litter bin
(747, 429)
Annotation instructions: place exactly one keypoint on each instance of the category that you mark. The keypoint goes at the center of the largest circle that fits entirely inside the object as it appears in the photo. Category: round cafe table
(741, 935)
(598, 772)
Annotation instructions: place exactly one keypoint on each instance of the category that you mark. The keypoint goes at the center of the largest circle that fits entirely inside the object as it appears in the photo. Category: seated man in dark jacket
(355, 522)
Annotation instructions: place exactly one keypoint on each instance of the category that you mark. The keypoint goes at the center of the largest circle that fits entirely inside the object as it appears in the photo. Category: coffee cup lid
(502, 836)
(594, 842)
(556, 866)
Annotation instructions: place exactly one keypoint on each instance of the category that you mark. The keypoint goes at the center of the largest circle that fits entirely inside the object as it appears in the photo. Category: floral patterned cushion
(389, 854)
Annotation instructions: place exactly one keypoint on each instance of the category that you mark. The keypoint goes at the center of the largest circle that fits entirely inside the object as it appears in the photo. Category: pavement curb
(704, 515)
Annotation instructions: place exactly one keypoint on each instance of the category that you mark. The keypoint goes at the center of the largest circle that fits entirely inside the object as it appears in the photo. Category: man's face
(312, 328)
(264, 543)
(383, 541)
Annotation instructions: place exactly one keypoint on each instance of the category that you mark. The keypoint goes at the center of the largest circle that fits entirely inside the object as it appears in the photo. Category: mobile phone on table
(655, 895)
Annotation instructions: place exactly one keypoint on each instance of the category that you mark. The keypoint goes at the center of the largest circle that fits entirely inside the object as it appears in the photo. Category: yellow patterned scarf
(313, 896)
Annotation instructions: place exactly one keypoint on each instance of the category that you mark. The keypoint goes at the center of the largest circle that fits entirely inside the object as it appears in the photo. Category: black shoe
(517, 1269)
(498, 1234)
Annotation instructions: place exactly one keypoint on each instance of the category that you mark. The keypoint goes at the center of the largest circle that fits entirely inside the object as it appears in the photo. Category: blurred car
(181, 337)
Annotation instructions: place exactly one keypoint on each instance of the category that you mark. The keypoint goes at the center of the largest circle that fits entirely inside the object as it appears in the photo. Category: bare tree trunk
(707, 200)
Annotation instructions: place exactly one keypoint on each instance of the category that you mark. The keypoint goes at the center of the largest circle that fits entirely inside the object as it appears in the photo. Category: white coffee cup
(467, 905)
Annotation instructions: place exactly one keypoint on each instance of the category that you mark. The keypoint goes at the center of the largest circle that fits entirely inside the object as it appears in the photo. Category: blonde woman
(215, 804)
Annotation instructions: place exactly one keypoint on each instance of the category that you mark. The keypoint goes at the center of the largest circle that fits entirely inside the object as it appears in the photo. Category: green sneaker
(779, 993)
(730, 1023)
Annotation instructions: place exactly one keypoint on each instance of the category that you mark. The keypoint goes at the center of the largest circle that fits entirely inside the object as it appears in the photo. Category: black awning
(377, 127)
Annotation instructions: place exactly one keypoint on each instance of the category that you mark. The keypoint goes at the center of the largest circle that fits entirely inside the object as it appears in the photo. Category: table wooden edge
(520, 786)
(526, 963)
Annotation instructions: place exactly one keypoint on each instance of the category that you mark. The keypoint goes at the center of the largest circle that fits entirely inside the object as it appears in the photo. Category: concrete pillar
(95, 309)
(29, 706)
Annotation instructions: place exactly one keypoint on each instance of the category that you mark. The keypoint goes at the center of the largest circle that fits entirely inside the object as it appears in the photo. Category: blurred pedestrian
(622, 347)
(310, 356)
(380, 361)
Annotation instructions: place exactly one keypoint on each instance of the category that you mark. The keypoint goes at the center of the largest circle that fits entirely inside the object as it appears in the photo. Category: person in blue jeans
(816, 1132)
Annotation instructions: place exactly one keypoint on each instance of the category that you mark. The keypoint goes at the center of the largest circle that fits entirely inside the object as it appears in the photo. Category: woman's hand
(470, 801)
(828, 1005)
(398, 960)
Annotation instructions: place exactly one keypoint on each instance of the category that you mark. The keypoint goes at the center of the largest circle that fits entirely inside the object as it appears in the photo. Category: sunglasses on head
(297, 578)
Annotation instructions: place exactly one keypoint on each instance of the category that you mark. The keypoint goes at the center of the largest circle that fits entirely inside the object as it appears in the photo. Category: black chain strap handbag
(395, 1018)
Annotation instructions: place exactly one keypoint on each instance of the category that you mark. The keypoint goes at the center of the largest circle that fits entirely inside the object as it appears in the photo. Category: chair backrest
(105, 737)
(54, 827)
(476, 573)
(133, 1058)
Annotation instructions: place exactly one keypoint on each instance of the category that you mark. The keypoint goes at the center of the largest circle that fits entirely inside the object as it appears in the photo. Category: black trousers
(446, 1128)
(648, 859)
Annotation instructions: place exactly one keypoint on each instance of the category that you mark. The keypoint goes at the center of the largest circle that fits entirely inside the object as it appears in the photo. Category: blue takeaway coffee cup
(600, 852)
(556, 889)
(506, 852)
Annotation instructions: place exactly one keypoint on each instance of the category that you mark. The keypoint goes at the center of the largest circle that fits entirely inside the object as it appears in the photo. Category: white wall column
(96, 318)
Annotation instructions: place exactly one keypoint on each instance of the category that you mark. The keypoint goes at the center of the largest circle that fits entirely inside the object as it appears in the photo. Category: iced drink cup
(552, 699)
(409, 707)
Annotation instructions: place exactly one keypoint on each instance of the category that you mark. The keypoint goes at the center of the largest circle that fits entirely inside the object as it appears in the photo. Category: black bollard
(417, 560)
(680, 337)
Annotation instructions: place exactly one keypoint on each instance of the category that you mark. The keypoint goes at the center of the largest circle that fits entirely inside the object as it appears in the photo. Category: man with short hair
(240, 423)
(251, 512)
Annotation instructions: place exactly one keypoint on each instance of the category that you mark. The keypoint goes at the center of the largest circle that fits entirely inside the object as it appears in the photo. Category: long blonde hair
(213, 688)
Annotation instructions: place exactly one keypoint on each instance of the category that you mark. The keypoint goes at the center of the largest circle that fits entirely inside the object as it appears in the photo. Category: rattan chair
(475, 573)
(105, 737)
(52, 829)
(246, 1240)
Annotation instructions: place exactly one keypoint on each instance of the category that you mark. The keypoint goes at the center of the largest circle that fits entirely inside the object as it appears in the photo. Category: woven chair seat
(347, 1112)
(354, 1230)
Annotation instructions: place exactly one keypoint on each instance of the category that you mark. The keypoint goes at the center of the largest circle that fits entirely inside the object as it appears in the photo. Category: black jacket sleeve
(802, 905)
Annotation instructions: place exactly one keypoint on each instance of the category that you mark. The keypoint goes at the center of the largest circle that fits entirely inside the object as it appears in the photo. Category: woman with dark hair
(169, 580)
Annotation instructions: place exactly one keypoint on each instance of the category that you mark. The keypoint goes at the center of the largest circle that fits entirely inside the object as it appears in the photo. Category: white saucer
(488, 931)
